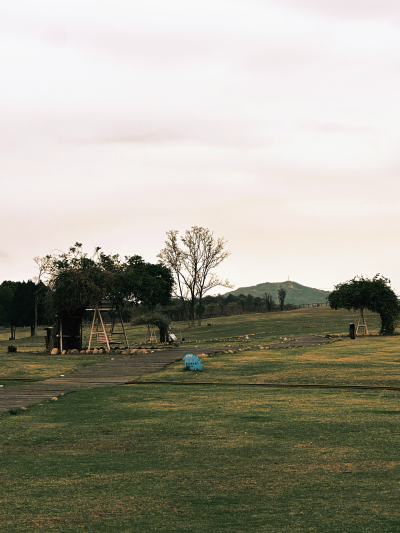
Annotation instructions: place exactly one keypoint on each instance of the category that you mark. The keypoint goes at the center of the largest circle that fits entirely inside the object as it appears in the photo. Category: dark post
(352, 331)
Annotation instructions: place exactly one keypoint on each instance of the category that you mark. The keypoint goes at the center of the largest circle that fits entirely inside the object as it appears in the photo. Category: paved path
(115, 372)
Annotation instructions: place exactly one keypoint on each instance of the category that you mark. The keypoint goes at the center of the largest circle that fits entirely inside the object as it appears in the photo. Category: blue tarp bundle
(192, 362)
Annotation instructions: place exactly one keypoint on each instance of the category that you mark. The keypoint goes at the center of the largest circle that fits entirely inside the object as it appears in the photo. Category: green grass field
(200, 458)
(364, 361)
(136, 458)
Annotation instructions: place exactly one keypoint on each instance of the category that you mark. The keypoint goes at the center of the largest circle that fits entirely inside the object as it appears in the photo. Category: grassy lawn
(31, 361)
(142, 458)
(364, 361)
(37, 367)
(199, 458)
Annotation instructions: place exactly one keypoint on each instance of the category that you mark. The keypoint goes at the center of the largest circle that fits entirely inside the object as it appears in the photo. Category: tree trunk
(192, 312)
(199, 322)
(36, 315)
(163, 334)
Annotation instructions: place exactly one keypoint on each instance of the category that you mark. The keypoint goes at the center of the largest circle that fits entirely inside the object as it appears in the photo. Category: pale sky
(276, 124)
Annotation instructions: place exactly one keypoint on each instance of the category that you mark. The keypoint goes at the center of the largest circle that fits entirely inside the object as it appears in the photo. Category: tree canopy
(78, 281)
(374, 294)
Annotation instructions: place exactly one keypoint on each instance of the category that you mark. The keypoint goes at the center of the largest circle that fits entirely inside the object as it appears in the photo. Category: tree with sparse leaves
(192, 262)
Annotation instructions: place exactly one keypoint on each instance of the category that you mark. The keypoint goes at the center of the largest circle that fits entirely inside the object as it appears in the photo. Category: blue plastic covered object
(192, 362)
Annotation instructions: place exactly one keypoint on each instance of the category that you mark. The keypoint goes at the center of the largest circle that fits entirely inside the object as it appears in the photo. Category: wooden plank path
(116, 372)
(109, 372)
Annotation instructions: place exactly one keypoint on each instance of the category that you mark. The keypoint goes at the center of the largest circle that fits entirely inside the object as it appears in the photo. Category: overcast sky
(276, 124)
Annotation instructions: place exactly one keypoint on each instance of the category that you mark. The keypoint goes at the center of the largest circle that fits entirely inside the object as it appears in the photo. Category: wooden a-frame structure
(104, 336)
(361, 324)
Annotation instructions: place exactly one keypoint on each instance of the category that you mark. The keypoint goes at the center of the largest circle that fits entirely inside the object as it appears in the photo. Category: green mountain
(295, 293)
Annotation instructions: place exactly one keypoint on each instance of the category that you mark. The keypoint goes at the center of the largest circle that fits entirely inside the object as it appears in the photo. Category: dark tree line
(17, 304)
(229, 305)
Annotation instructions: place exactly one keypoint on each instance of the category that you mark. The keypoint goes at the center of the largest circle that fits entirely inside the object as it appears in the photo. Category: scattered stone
(101, 351)
(125, 352)
(24, 408)
(88, 351)
(54, 351)
(63, 352)
(133, 351)
(95, 351)
(230, 351)
(82, 351)
(74, 351)
(142, 351)
(117, 351)
(54, 398)
(109, 351)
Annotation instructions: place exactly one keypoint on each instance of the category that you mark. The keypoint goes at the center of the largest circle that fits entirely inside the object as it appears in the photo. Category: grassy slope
(263, 327)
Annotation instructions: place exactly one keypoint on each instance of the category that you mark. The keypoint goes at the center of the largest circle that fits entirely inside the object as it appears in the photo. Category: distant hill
(295, 293)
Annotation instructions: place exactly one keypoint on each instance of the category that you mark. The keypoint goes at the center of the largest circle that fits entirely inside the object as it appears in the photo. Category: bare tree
(192, 264)
(42, 264)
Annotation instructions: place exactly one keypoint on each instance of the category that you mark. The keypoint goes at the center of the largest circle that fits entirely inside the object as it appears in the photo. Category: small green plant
(12, 348)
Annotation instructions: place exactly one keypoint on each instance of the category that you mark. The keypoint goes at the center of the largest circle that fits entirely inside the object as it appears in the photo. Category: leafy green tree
(256, 303)
(249, 302)
(7, 289)
(210, 308)
(373, 294)
(154, 318)
(243, 302)
(281, 298)
(232, 306)
(269, 301)
(221, 305)
(200, 308)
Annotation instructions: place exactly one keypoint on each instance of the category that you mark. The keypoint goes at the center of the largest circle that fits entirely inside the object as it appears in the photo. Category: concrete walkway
(117, 372)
